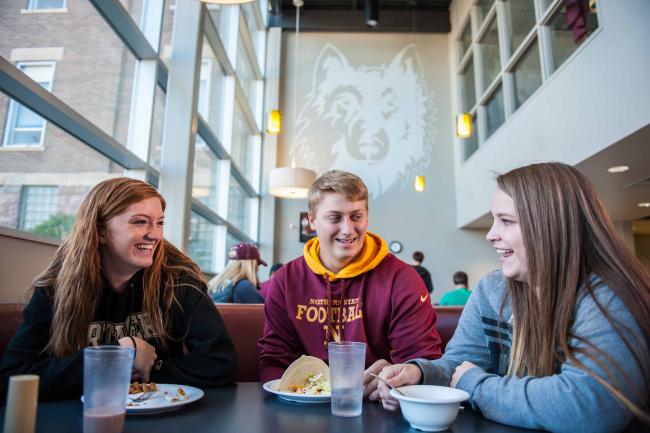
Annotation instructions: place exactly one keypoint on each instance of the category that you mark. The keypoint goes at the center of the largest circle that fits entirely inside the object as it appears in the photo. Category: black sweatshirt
(200, 353)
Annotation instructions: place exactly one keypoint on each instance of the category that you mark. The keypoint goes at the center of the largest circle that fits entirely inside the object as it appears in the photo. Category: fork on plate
(143, 397)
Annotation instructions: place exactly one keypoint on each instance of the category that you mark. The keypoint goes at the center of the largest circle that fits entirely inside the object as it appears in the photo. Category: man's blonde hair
(337, 181)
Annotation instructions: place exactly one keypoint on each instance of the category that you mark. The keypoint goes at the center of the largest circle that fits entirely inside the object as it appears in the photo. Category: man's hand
(460, 370)
(370, 383)
(144, 358)
(397, 375)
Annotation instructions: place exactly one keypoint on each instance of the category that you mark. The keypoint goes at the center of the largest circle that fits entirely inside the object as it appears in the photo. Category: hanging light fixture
(371, 13)
(464, 125)
(227, 2)
(291, 182)
(274, 123)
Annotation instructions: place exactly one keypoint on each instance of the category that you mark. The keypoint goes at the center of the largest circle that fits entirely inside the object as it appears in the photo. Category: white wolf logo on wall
(377, 121)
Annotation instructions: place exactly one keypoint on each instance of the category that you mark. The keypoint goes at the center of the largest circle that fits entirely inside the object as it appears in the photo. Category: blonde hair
(569, 236)
(235, 271)
(74, 274)
(337, 181)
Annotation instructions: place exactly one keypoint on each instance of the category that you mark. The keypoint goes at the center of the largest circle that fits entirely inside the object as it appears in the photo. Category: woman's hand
(144, 358)
(370, 383)
(397, 375)
(460, 370)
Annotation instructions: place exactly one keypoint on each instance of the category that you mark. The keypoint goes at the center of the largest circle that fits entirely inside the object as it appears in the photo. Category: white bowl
(430, 407)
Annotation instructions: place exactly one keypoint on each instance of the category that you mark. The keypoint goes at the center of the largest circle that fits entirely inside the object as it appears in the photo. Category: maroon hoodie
(387, 307)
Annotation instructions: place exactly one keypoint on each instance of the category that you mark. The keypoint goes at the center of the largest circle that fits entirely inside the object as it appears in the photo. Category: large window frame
(152, 76)
(478, 21)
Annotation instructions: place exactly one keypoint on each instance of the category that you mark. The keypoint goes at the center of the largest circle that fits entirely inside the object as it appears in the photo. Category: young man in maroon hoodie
(346, 287)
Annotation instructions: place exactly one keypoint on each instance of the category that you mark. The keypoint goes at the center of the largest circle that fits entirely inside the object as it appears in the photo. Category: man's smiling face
(341, 227)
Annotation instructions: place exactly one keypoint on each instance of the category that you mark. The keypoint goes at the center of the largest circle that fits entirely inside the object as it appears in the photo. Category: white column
(181, 120)
(266, 235)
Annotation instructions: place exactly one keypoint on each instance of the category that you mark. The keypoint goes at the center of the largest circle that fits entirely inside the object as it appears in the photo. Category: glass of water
(347, 361)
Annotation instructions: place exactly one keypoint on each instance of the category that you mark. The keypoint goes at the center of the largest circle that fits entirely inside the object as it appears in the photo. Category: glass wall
(97, 87)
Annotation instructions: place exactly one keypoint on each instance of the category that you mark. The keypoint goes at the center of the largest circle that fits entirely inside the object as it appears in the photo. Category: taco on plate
(306, 375)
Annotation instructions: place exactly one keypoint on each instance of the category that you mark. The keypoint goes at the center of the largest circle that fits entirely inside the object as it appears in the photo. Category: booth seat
(245, 324)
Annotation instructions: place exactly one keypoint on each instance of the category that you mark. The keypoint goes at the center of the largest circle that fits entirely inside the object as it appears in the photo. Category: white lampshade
(290, 182)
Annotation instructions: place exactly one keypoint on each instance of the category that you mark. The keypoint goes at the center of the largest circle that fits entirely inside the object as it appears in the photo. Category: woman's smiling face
(505, 236)
(129, 239)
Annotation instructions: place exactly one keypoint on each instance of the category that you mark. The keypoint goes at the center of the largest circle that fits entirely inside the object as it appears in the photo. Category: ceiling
(620, 193)
(420, 16)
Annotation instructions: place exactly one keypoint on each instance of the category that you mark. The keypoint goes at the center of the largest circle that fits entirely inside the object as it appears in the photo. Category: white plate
(158, 403)
(272, 387)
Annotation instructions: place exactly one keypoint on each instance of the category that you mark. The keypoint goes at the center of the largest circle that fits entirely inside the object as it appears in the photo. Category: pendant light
(292, 182)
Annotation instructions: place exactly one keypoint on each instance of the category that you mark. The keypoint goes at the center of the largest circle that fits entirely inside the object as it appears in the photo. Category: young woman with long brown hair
(116, 280)
(558, 338)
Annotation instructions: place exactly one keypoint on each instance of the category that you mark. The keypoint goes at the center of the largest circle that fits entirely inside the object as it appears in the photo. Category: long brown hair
(75, 272)
(569, 237)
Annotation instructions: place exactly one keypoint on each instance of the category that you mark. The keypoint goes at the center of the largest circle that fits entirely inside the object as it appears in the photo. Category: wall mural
(377, 121)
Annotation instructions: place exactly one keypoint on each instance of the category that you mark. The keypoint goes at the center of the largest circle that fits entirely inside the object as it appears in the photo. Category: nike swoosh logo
(423, 298)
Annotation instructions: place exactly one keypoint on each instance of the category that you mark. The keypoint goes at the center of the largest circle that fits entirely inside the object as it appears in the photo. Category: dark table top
(246, 407)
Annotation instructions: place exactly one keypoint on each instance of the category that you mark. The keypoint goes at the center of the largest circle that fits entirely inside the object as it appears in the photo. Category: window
(527, 74)
(484, 8)
(246, 74)
(204, 88)
(201, 242)
(37, 204)
(522, 21)
(565, 37)
(24, 127)
(243, 149)
(155, 147)
(517, 46)
(206, 174)
(466, 39)
(494, 111)
(468, 90)
(239, 208)
(211, 89)
(471, 143)
(490, 54)
(46, 4)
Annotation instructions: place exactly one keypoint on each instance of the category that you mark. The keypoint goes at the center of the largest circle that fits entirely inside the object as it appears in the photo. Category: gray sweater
(570, 400)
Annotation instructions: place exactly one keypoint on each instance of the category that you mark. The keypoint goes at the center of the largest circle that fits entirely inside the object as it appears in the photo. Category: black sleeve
(427, 281)
(209, 355)
(60, 378)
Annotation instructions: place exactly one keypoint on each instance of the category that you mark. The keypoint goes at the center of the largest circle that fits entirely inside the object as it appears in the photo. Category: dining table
(246, 407)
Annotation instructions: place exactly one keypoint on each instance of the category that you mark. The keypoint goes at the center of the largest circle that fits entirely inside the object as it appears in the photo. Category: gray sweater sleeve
(570, 397)
(468, 343)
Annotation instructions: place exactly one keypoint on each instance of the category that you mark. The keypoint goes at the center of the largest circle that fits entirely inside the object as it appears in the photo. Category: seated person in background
(345, 287)
(418, 258)
(558, 338)
(460, 294)
(274, 268)
(264, 285)
(116, 281)
(238, 282)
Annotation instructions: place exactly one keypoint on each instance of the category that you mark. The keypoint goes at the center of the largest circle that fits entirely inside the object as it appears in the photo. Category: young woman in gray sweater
(558, 338)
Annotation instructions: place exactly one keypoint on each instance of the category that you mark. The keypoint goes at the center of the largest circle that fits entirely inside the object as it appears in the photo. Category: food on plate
(137, 387)
(307, 375)
(180, 395)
